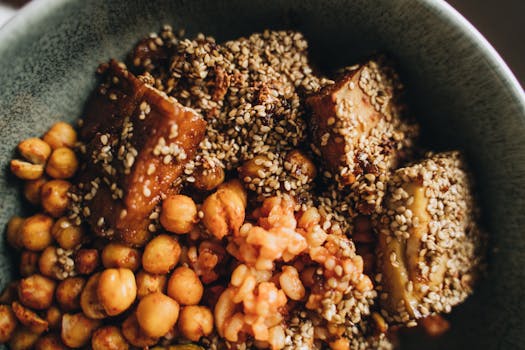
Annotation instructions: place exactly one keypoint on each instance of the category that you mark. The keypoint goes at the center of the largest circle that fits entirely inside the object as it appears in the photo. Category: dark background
(502, 23)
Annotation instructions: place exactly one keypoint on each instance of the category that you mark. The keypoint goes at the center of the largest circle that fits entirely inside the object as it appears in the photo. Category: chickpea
(29, 319)
(157, 314)
(134, 334)
(195, 322)
(62, 164)
(116, 290)
(89, 300)
(61, 135)
(108, 338)
(77, 329)
(54, 197)
(28, 263)
(53, 317)
(300, 165)
(25, 170)
(23, 339)
(14, 232)
(148, 283)
(36, 292)
(253, 167)
(34, 150)
(47, 263)
(208, 179)
(50, 342)
(32, 190)
(36, 232)
(67, 234)
(7, 323)
(179, 214)
(340, 344)
(185, 286)
(86, 261)
(120, 255)
(68, 293)
(161, 254)
(236, 187)
(224, 210)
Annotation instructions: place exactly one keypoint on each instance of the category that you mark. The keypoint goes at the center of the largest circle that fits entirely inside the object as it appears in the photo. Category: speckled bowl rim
(33, 12)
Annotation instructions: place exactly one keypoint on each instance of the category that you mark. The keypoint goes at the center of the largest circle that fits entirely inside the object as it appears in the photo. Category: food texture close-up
(237, 192)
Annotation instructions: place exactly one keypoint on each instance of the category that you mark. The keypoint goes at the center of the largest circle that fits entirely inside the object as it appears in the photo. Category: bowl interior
(461, 93)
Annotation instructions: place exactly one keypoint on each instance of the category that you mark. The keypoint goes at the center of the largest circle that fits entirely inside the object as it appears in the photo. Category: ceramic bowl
(461, 91)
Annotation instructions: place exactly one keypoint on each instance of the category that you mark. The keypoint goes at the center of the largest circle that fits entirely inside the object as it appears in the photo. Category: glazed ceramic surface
(461, 92)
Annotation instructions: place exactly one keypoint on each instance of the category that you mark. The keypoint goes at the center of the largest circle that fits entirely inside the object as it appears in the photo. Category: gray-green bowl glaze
(462, 93)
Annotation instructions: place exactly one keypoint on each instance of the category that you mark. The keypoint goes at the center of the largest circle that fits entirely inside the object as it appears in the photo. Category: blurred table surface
(500, 21)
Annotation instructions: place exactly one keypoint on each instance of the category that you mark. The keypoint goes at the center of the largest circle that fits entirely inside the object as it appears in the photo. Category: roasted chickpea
(89, 300)
(195, 322)
(36, 232)
(254, 168)
(23, 339)
(157, 314)
(108, 338)
(120, 255)
(62, 164)
(14, 232)
(300, 166)
(134, 334)
(116, 290)
(53, 317)
(7, 323)
(185, 286)
(86, 261)
(36, 292)
(28, 318)
(148, 283)
(161, 254)
(25, 170)
(179, 214)
(67, 234)
(28, 263)
(61, 135)
(34, 150)
(208, 179)
(77, 329)
(236, 187)
(224, 210)
(54, 197)
(68, 293)
(50, 342)
(47, 263)
(32, 190)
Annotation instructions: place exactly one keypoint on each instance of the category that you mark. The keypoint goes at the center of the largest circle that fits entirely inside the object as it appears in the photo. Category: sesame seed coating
(430, 246)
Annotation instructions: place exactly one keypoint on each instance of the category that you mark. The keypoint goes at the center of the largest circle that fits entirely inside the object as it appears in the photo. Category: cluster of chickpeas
(71, 286)
(79, 291)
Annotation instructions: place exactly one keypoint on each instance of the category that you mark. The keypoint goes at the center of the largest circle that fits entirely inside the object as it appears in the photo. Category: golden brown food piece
(429, 242)
(77, 329)
(7, 323)
(358, 130)
(137, 141)
(29, 319)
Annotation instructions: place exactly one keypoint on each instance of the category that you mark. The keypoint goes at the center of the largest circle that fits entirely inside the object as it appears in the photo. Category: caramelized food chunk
(136, 142)
(358, 130)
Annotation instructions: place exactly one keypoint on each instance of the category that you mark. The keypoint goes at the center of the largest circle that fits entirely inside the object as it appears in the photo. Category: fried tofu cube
(136, 143)
(429, 243)
(358, 130)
